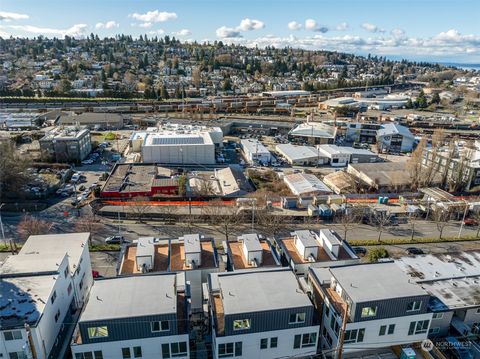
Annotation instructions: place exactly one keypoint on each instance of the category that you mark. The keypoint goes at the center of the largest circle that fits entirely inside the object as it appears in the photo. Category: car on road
(116, 240)
(360, 251)
(414, 251)
(470, 222)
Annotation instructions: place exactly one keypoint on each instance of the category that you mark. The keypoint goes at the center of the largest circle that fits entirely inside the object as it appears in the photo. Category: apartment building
(453, 282)
(250, 251)
(261, 314)
(193, 254)
(305, 248)
(378, 301)
(134, 317)
(41, 289)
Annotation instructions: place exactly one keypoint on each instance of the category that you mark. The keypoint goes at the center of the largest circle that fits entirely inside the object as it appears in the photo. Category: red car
(95, 274)
(470, 222)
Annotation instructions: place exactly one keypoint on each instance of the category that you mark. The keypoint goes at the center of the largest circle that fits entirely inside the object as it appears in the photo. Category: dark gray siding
(390, 308)
(128, 328)
(269, 320)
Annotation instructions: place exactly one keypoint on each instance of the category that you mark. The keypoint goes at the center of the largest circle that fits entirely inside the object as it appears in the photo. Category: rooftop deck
(219, 314)
(239, 260)
(337, 301)
(163, 261)
(289, 244)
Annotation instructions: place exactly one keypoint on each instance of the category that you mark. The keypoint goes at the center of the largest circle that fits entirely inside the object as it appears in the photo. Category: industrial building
(232, 182)
(375, 103)
(338, 156)
(255, 151)
(395, 138)
(177, 144)
(134, 317)
(19, 121)
(315, 133)
(281, 94)
(40, 288)
(304, 184)
(66, 144)
(340, 182)
(301, 155)
(305, 248)
(133, 180)
(260, 313)
(375, 304)
(92, 120)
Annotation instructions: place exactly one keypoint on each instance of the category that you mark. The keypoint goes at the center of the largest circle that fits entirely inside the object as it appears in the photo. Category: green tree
(421, 100)
(435, 99)
(375, 254)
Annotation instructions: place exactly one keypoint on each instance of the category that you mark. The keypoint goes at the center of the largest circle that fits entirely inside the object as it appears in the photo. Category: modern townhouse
(453, 281)
(41, 290)
(194, 254)
(306, 248)
(134, 317)
(368, 306)
(250, 251)
(261, 313)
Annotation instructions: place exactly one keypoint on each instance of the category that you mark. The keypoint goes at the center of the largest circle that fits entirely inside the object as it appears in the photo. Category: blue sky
(437, 30)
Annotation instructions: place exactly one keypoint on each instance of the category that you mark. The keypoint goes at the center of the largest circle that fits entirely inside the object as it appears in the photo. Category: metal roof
(314, 129)
(390, 129)
(304, 183)
(294, 153)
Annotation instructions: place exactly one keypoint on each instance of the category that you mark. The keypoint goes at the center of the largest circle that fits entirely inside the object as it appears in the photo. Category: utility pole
(463, 219)
(1, 224)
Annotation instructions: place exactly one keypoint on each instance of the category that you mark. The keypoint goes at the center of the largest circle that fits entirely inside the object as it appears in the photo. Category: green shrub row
(375, 242)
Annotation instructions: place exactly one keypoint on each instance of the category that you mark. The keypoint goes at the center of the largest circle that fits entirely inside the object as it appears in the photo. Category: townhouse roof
(258, 290)
(127, 297)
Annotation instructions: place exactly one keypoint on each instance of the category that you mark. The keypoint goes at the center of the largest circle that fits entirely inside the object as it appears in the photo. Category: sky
(429, 30)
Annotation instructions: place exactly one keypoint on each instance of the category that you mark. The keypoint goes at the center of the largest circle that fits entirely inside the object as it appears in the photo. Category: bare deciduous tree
(30, 226)
(441, 218)
(380, 219)
(349, 220)
(269, 222)
(223, 216)
(140, 206)
(89, 224)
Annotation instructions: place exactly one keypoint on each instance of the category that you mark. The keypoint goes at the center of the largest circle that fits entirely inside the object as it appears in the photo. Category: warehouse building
(339, 156)
(395, 138)
(341, 182)
(232, 182)
(303, 184)
(92, 120)
(255, 151)
(66, 144)
(301, 155)
(315, 133)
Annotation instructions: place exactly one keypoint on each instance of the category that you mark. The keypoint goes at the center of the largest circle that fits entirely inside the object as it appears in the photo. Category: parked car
(457, 349)
(414, 251)
(360, 251)
(470, 222)
(116, 240)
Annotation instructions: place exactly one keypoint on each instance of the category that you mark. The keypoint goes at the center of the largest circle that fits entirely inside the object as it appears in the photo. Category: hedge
(375, 242)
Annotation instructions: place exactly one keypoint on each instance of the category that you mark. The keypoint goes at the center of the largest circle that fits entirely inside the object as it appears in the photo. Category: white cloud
(371, 27)
(106, 25)
(154, 16)
(293, 25)
(156, 32)
(249, 25)
(8, 16)
(342, 26)
(145, 25)
(227, 32)
(183, 32)
(312, 25)
(398, 33)
(77, 30)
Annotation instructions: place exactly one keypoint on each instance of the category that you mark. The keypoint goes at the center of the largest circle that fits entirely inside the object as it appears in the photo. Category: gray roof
(293, 152)
(455, 293)
(301, 183)
(307, 237)
(378, 281)
(390, 129)
(191, 243)
(177, 140)
(127, 297)
(259, 290)
(331, 235)
(50, 244)
(252, 242)
(314, 129)
(29, 264)
(253, 146)
(146, 247)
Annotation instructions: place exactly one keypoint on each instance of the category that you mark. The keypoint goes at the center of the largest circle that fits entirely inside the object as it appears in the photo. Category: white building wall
(372, 339)
(151, 347)
(186, 154)
(251, 344)
(82, 275)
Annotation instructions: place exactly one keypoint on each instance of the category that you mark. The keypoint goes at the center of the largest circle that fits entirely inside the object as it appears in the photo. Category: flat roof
(232, 180)
(367, 282)
(314, 129)
(239, 260)
(191, 243)
(29, 264)
(169, 139)
(294, 152)
(254, 146)
(129, 178)
(259, 290)
(251, 241)
(126, 297)
(23, 299)
(307, 237)
(48, 244)
(441, 265)
(453, 293)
